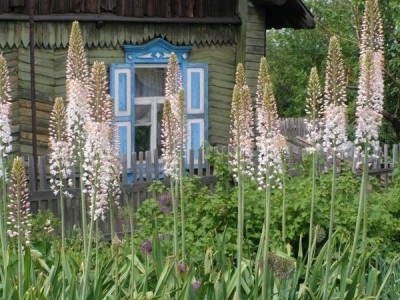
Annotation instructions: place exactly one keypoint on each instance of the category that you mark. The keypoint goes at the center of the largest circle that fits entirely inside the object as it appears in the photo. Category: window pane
(142, 138)
(143, 114)
(149, 82)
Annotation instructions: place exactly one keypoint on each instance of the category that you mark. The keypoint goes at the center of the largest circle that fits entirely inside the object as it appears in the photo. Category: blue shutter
(197, 107)
(122, 89)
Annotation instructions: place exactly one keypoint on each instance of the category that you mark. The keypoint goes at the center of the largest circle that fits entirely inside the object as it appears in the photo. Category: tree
(292, 53)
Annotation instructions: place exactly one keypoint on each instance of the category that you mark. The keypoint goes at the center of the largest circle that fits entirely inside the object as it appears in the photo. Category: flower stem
(239, 240)
(175, 213)
(83, 197)
(330, 241)
(284, 174)
(62, 210)
(3, 224)
(361, 213)
(310, 253)
(267, 216)
(182, 203)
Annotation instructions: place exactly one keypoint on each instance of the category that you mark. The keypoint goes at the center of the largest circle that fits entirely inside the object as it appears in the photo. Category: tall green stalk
(90, 234)
(182, 200)
(284, 174)
(3, 229)
(330, 241)
(361, 211)
(239, 241)
(62, 210)
(310, 253)
(175, 215)
(20, 261)
(267, 217)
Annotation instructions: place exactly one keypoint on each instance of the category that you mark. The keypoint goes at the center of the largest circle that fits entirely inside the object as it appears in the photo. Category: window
(137, 87)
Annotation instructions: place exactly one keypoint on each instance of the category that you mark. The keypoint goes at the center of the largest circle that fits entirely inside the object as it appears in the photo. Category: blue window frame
(137, 86)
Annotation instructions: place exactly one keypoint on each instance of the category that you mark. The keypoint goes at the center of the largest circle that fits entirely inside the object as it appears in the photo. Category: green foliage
(209, 213)
(292, 53)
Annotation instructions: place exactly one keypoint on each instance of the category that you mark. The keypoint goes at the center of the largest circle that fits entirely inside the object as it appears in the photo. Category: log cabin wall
(126, 8)
(212, 44)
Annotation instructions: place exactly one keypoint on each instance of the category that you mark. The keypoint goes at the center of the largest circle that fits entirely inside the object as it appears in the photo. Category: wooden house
(134, 38)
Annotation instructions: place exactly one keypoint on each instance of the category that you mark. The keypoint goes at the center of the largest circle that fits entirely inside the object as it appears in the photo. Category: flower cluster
(369, 104)
(146, 247)
(372, 28)
(98, 167)
(165, 202)
(173, 131)
(77, 66)
(60, 156)
(18, 207)
(335, 96)
(5, 109)
(89, 127)
(370, 85)
(196, 285)
(283, 266)
(314, 112)
(271, 145)
(99, 103)
(77, 114)
(241, 129)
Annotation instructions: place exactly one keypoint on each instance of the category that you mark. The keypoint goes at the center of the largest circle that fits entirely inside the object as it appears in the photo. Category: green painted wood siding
(221, 62)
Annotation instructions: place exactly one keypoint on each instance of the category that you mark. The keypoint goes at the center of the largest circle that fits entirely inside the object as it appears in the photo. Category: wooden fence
(146, 168)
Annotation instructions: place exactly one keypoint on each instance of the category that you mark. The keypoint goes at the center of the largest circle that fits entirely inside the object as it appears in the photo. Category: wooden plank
(386, 164)
(213, 8)
(150, 10)
(156, 165)
(134, 167)
(92, 6)
(395, 155)
(124, 171)
(60, 7)
(175, 8)
(187, 8)
(200, 163)
(14, 3)
(42, 173)
(4, 6)
(77, 6)
(199, 8)
(45, 7)
(165, 8)
(191, 162)
(124, 7)
(140, 166)
(149, 166)
(229, 7)
(108, 5)
(31, 174)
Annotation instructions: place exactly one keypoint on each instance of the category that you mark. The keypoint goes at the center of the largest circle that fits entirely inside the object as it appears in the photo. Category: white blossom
(5, 110)
(241, 129)
(271, 144)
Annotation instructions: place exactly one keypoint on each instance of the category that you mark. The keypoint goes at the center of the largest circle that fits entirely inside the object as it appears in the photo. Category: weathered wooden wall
(221, 70)
(50, 67)
(127, 8)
